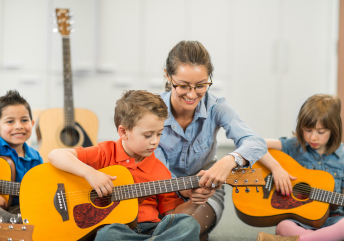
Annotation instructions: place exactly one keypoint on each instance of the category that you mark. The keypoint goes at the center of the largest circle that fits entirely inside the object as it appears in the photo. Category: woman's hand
(218, 173)
(101, 182)
(3, 203)
(282, 180)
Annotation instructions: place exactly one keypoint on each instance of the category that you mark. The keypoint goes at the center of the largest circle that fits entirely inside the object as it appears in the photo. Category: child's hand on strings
(101, 182)
(282, 180)
(3, 203)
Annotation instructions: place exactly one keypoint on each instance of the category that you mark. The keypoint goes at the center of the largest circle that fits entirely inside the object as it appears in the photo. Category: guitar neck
(9, 188)
(326, 196)
(68, 83)
(153, 188)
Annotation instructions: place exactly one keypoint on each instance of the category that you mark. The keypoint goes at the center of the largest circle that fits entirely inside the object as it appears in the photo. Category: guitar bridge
(60, 202)
(268, 185)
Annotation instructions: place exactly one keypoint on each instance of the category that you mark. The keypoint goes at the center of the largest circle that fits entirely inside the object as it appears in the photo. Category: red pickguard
(286, 202)
(86, 215)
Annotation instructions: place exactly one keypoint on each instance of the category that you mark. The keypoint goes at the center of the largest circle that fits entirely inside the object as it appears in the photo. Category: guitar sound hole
(100, 201)
(70, 136)
(301, 191)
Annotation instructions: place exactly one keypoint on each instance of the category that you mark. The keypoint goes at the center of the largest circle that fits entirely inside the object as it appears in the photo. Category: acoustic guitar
(309, 202)
(68, 127)
(63, 206)
(8, 186)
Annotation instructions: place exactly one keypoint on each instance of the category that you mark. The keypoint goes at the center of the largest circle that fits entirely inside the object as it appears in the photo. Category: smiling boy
(15, 129)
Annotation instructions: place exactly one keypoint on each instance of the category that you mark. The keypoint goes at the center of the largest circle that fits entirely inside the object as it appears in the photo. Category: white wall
(269, 55)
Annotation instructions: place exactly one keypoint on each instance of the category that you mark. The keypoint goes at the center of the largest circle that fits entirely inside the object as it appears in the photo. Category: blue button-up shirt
(333, 163)
(186, 153)
(23, 164)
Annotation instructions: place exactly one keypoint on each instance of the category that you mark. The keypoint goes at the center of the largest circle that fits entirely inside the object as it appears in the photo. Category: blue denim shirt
(23, 164)
(333, 163)
(186, 153)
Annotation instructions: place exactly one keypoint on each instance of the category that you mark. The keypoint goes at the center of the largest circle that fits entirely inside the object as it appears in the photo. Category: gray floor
(230, 226)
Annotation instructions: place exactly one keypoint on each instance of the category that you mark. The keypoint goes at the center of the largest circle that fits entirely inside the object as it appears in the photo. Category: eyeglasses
(185, 89)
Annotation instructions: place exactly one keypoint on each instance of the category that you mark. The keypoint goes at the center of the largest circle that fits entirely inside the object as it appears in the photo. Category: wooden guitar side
(37, 192)
(259, 212)
(51, 122)
(8, 173)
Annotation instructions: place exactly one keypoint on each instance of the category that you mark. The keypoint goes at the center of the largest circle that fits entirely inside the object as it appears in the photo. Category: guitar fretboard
(68, 83)
(326, 196)
(9, 188)
(153, 188)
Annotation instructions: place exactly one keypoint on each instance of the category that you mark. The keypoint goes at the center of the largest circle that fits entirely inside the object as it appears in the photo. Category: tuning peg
(13, 220)
(247, 190)
(257, 190)
(53, 14)
(236, 190)
(25, 221)
(55, 30)
(9, 239)
(72, 30)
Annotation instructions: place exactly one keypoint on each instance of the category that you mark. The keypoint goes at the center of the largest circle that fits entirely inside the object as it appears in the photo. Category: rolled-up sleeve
(249, 145)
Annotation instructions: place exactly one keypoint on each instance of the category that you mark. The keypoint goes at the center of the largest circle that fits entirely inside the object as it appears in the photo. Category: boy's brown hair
(13, 97)
(134, 104)
(324, 109)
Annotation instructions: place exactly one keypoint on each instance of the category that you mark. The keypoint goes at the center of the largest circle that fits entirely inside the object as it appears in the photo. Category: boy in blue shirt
(15, 129)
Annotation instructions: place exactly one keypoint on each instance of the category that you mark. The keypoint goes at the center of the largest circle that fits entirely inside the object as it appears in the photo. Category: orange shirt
(149, 169)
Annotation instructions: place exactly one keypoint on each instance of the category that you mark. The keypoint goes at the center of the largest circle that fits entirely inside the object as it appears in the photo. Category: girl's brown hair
(190, 53)
(324, 109)
(134, 104)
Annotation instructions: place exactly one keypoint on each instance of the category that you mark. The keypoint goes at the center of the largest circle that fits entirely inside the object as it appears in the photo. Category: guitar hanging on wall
(68, 127)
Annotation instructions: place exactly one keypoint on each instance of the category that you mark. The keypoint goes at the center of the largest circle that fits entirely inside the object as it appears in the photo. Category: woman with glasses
(188, 143)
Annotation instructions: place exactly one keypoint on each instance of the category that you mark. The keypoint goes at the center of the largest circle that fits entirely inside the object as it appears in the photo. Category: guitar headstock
(63, 21)
(16, 231)
(246, 177)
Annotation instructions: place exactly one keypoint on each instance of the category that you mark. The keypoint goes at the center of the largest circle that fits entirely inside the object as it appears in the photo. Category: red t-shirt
(149, 169)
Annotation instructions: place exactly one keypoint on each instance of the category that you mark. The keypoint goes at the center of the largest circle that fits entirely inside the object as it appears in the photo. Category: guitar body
(263, 210)
(51, 125)
(8, 173)
(38, 192)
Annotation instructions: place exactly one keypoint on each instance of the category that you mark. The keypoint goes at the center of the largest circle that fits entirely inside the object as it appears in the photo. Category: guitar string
(157, 184)
(179, 182)
(69, 118)
(123, 194)
(127, 190)
(148, 187)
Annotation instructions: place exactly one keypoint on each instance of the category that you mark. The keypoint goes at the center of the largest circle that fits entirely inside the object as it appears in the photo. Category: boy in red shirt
(139, 119)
